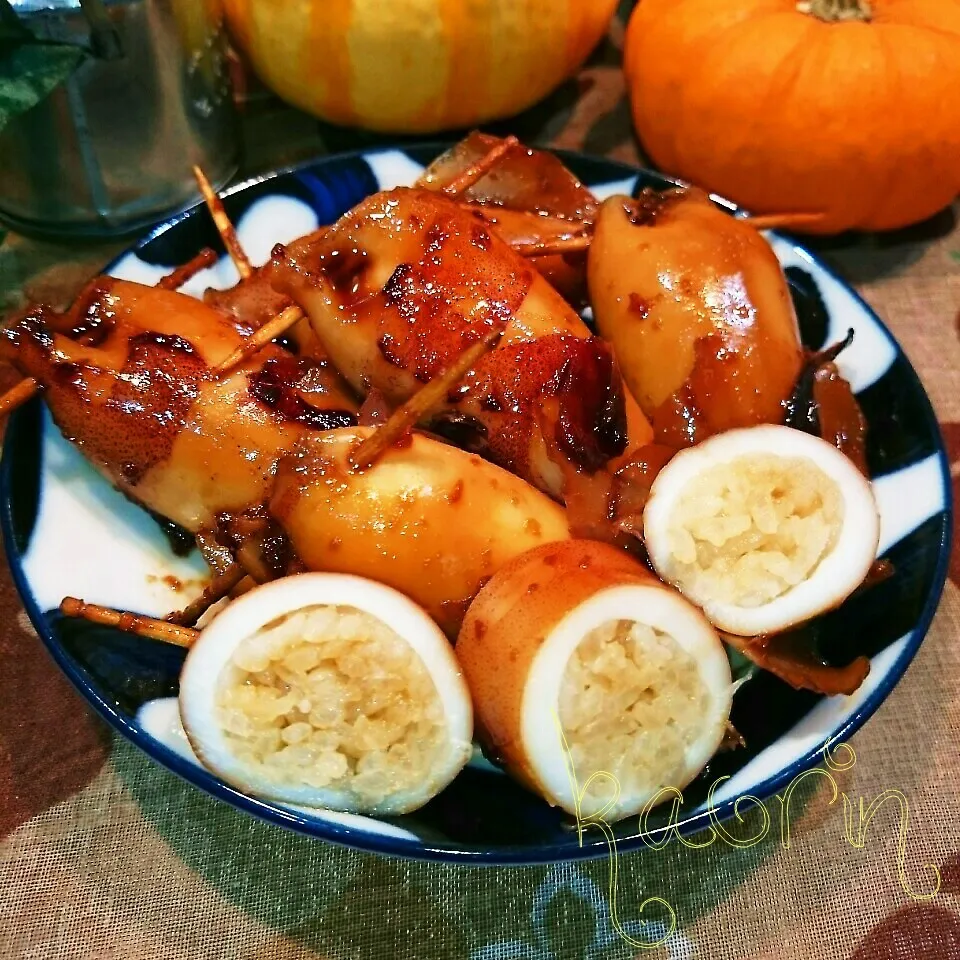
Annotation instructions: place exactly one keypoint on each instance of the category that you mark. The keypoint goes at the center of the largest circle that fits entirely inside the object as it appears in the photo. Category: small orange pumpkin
(416, 66)
(850, 108)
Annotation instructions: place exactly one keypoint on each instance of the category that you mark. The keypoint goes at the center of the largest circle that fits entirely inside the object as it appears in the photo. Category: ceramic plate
(67, 532)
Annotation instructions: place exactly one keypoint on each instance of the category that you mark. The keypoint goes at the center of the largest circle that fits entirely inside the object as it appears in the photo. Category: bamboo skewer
(493, 214)
(423, 402)
(224, 226)
(18, 395)
(272, 329)
(177, 278)
(134, 623)
(782, 221)
(578, 241)
(570, 236)
(467, 178)
(582, 241)
(219, 587)
(546, 248)
(276, 327)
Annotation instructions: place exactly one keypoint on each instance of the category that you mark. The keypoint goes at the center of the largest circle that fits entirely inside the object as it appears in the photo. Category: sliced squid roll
(579, 661)
(764, 528)
(330, 691)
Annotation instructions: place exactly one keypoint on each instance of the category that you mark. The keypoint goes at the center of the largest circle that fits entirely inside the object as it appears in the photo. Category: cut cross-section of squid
(581, 663)
(763, 528)
(330, 691)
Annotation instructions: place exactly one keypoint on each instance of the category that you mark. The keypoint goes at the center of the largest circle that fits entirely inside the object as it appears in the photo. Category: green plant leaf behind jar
(29, 68)
(31, 71)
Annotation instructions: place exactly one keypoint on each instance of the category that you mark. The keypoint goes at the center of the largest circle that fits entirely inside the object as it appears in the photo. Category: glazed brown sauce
(276, 551)
(374, 409)
(588, 501)
(649, 205)
(462, 430)
(91, 318)
(480, 238)
(257, 533)
(801, 411)
(279, 384)
(879, 572)
(250, 304)
(633, 483)
(712, 399)
(592, 417)
(436, 236)
(385, 344)
(404, 440)
(68, 374)
(823, 404)
(453, 612)
(428, 312)
(168, 341)
(32, 326)
(841, 421)
(791, 656)
(149, 402)
(347, 270)
(795, 650)
(720, 394)
(609, 507)
(181, 542)
(95, 325)
(504, 400)
(678, 421)
(638, 306)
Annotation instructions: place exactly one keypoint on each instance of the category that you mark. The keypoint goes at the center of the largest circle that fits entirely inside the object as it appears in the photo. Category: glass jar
(110, 151)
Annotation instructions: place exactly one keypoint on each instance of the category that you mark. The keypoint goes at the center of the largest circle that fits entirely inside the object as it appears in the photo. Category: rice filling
(750, 530)
(632, 702)
(330, 696)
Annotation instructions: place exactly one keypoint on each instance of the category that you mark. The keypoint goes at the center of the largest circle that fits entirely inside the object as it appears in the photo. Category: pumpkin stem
(833, 11)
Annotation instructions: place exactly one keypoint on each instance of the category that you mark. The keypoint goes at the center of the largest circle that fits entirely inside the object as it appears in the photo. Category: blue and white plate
(67, 532)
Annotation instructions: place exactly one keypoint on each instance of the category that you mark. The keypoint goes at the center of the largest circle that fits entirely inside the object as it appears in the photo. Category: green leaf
(740, 667)
(955, 254)
(30, 72)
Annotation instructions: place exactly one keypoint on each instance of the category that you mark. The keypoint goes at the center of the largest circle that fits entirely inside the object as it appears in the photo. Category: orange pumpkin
(416, 66)
(848, 108)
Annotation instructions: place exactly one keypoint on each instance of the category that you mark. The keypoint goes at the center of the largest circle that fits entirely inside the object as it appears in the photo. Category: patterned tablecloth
(103, 854)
